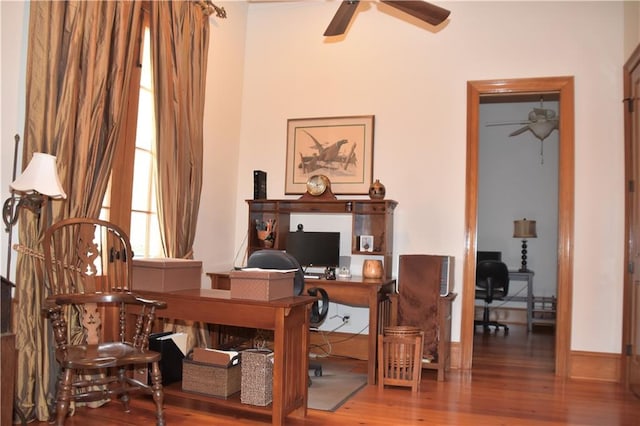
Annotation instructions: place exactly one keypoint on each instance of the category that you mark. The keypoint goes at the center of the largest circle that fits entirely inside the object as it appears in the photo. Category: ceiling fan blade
(424, 11)
(341, 19)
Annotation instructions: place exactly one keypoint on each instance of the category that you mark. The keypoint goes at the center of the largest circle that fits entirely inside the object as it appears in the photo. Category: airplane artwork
(328, 156)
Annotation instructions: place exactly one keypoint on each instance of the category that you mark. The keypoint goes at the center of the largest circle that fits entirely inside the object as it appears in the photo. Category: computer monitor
(488, 255)
(314, 249)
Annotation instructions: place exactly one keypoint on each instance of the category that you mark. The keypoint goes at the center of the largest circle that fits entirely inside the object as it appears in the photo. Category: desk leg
(291, 364)
(529, 303)
(277, 403)
(373, 338)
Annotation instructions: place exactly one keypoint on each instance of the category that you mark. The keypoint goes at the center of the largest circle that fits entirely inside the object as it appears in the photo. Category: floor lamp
(524, 229)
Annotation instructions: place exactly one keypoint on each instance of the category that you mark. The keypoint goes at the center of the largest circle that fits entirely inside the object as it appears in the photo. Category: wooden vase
(372, 268)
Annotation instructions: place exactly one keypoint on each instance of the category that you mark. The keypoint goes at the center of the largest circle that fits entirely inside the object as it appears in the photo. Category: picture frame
(340, 148)
(366, 243)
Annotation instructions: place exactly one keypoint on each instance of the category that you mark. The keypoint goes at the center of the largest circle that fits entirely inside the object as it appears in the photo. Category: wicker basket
(402, 330)
(209, 379)
(257, 377)
(400, 360)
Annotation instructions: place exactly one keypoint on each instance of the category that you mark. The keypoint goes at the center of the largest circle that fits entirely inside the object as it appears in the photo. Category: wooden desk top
(212, 295)
(354, 280)
(200, 304)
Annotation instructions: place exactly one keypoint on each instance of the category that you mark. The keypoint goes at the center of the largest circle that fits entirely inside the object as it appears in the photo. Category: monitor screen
(321, 249)
(489, 255)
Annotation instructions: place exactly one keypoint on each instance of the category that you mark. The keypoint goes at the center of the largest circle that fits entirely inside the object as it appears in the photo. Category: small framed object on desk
(366, 243)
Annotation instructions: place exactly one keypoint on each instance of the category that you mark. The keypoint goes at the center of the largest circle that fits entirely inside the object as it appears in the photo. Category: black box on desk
(172, 356)
(219, 378)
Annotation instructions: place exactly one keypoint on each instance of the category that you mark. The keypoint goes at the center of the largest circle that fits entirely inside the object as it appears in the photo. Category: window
(131, 196)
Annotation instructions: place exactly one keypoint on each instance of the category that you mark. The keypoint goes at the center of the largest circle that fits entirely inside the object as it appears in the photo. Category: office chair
(492, 283)
(88, 267)
(276, 259)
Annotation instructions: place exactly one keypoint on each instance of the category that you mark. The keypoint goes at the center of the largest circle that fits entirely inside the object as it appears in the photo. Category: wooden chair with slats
(89, 269)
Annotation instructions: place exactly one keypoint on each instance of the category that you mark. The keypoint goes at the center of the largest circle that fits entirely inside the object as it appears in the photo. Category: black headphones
(318, 314)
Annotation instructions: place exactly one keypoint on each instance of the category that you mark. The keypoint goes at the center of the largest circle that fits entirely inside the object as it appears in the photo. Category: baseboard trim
(340, 344)
(504, 314)
(598, 366)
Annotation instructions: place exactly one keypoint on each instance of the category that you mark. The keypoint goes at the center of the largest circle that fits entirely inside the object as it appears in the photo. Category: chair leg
(64, 396)
(124, 398)
(486, 323)
(157, 392)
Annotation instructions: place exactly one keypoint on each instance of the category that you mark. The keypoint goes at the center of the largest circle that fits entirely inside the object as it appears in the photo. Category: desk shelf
(544, 311)
(230, 403)
(369, 217)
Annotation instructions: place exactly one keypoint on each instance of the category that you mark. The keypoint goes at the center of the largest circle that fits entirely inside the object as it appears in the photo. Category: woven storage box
(261, 285)
(166, 274)
(257, 377)
(209, 379)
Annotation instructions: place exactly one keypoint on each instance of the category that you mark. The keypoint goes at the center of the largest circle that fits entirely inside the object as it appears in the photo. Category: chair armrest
(49, 307)
(158, 304)
(394, 298)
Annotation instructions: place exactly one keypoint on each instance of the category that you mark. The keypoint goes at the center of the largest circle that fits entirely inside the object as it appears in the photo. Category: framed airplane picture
(340, 148)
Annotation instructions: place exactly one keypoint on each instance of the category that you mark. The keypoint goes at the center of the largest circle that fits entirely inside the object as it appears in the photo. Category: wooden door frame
(627, 299)
(565, 87)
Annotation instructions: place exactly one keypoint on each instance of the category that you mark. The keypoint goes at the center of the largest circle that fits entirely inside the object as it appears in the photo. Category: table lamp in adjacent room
(524, 229)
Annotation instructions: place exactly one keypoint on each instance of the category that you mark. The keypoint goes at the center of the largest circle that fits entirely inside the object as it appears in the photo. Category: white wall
(414, 80)
(631, 26)
(14, 26)
(215, 239)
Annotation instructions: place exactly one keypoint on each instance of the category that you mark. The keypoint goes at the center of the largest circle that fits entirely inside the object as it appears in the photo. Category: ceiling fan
(541, 122)
(422, 10)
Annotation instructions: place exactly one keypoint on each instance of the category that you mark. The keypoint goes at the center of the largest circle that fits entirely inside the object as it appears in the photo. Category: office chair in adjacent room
(276, 259)
(492, 283)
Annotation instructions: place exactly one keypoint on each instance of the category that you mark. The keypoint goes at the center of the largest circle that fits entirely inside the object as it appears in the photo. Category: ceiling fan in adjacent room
(422, 10)
(541, 122)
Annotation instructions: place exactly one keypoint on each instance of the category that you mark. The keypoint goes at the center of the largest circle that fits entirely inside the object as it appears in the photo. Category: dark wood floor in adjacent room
(512, 384)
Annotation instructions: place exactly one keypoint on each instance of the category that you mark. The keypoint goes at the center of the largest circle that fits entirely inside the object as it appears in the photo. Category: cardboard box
(215, 357)
(261, 285)
(165, 274)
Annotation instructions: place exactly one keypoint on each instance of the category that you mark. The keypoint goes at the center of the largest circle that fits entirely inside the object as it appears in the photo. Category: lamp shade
(524, 229)
(40, 176)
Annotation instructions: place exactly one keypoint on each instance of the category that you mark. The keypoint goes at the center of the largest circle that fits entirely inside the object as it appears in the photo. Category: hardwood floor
(512, 384)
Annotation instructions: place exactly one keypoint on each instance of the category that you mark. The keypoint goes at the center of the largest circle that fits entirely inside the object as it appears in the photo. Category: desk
(354, 291)
(288, 318)
(367, 293)
(528, 277)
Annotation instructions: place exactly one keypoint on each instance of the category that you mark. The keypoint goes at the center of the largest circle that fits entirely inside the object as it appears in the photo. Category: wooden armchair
(89, 269)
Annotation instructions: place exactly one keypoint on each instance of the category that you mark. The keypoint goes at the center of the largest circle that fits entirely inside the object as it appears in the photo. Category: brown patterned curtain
(79, 62)
(179, 45)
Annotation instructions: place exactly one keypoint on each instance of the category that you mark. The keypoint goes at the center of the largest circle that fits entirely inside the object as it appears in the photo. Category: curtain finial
(209, 8)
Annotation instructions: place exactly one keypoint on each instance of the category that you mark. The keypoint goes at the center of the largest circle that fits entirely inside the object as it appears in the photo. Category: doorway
(518, 179)
(563, 87)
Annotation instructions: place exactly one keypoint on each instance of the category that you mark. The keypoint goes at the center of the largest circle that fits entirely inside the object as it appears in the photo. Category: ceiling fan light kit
(422, 10)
